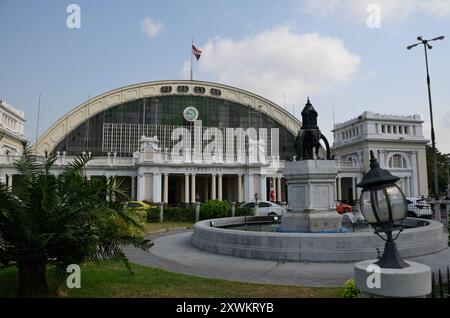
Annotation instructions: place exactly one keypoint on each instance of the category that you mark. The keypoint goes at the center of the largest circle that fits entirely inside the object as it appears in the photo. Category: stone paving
(173, 252)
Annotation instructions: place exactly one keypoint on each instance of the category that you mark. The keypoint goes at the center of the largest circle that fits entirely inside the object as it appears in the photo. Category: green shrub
(173, 214)
(139, 216)
(350, 289)
(215, 209)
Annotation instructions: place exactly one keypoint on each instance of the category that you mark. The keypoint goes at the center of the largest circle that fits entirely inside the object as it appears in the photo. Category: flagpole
(38, 115)
(191, 58)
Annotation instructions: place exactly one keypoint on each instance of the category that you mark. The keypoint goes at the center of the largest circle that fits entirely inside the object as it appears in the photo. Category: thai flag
(272, 191)
(197, 52)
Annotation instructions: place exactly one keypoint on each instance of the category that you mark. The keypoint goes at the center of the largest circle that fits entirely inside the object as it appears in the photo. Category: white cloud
(391, 10)
(150, 27)
(277, 62)
(437, 8)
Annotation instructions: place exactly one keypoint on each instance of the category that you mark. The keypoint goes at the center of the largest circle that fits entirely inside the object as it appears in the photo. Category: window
(383, 129)
(166, 89)
(215, 92)
(395, 129)
(199, 90)
(397, 161)
(264, 204)
(182, 89)
(389, 129)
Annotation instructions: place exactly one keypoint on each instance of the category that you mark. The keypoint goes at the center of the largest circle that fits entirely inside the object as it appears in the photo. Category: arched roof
(78, 115)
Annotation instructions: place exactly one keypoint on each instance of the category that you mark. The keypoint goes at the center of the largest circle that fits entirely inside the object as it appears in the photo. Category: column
(219, 188)
(156, 188)
(335, 189)
(274, 185)
(140, 187)
(415, 181)
(213, 187)
(186, 188)
(193, 188)
(240, 192)
(9, 181)
(262, 188)
(354, 189)
(166, 188)
(278, 189)
(133, 188)
(249, 188)
(340, 189)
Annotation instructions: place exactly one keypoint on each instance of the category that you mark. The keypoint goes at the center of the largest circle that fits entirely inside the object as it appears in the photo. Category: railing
(348, 164)
(157, 158)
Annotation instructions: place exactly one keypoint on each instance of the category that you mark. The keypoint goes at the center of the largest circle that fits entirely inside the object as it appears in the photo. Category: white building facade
(11, 129)
(398, 144)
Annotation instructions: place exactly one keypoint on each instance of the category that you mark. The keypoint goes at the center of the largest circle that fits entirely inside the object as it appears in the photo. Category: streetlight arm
(438, 38)
(409, 47)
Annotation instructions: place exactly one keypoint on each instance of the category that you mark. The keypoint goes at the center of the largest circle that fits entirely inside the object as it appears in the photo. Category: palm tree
(60, 219)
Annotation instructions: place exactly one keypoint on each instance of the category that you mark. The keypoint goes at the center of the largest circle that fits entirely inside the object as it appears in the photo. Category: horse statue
(309, 136)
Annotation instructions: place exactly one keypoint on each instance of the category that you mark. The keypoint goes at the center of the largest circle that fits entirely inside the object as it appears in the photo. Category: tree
(442, 170)
(60, 219)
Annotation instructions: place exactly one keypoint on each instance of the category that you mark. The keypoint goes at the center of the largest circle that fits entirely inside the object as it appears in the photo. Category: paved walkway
(173, 252)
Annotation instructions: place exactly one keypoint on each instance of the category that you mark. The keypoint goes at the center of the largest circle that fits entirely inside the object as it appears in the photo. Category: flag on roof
(196, 51)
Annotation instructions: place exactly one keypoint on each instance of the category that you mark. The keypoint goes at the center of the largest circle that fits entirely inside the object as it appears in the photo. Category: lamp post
(256, 205)
(383, 204)
(426, 45)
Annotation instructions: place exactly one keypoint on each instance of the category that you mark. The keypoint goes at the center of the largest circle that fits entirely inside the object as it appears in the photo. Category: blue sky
(282, 50)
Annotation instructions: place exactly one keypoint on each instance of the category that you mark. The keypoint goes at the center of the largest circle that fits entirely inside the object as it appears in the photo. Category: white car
(265, 207)
(419, 208)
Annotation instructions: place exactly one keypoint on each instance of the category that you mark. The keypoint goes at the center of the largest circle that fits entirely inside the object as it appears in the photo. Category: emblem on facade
(190, 113)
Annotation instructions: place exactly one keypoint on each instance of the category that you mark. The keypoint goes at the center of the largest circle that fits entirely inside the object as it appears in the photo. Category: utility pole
(426, 47)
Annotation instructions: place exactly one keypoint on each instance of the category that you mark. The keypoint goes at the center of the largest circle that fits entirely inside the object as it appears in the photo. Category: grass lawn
(113, 280)
(156, 227)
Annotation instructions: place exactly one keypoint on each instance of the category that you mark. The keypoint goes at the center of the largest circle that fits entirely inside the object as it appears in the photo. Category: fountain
(311, 229)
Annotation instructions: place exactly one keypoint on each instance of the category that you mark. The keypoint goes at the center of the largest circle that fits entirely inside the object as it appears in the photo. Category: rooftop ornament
(383, 204)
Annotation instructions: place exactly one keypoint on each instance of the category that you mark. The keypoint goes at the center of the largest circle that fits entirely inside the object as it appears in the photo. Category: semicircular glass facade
(125, 123)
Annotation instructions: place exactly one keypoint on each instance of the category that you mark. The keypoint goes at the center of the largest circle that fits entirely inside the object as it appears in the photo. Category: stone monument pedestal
(412, 281)
(312, 206)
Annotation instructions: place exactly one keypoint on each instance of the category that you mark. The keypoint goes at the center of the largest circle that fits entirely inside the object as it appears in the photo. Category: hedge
(210, 210)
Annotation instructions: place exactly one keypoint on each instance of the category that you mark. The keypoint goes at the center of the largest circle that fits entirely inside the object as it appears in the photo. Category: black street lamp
(426, 45)
(383, 204)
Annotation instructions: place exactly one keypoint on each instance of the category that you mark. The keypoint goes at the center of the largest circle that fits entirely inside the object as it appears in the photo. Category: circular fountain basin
(229, 236)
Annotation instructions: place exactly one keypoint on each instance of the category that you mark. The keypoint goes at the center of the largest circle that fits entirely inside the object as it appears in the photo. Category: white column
(219, 187)
(354, 189)
(335, 189)
(414, 183)
(10, 181)
(186, 188)
(263, 188)
(249, 188)
(156, 188)
(193, 189)
(340, 189)
(278, 189)
(213, 187)
(166, 188)
(133, 188)
(240, 192)
(141, 187)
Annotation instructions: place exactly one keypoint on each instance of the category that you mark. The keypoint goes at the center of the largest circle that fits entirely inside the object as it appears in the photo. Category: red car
(342, 208)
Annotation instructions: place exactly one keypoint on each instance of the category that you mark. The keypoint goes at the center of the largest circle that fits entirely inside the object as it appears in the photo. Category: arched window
(397, 161)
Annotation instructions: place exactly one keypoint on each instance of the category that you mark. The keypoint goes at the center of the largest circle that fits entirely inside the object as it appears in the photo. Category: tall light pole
(426, 46)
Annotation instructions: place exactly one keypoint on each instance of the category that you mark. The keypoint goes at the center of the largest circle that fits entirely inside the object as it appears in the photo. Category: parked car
(419, 208)
(265, 207)
(342, 208)
(139, 205)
